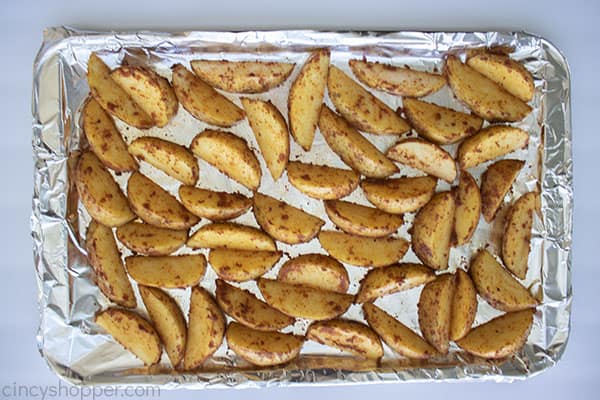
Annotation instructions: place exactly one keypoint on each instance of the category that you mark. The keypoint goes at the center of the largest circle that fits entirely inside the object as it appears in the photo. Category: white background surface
(570, 25)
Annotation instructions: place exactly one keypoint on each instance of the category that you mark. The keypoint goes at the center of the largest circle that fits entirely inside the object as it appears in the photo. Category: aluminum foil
(80, 352)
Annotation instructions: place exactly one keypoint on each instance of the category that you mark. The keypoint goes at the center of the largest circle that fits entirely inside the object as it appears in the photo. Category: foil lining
(80, 352)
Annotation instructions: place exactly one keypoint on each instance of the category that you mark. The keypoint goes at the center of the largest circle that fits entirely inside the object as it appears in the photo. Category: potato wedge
(167, 271)
(497, 286)
(227, 235)
(105, 259)
(397, 335)
(271, 133)
(155, 206)
(380, 282)
(304, 301)
(490, 143)
(242, 265)
(104, 138)
(424, 156)
(484, 96)
(352, 147)
(516, 241)
(206, 328)
(349, 336)
(245, 308)
(439, 124)
(202, 101)
(306, 97)
(496, 181)
(432, 230)
(168, 321)
(464, 306)
(230, 155)
(284, 222)
(322, 182)
(112, 97)
(317, 271)
(511, 75)
(216, 206)
(99, 192)
(362, 251)
(263, 348)
(242, 76)
(400, 195)
(361, 220)
(396, 80)
(132, 332)
(363, 110)
(499, 337)
(149, 240)
(468, 209)
(171, 158)
(434, 310)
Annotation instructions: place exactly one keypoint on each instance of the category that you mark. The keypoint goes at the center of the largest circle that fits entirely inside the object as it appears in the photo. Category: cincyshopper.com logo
(63, 390)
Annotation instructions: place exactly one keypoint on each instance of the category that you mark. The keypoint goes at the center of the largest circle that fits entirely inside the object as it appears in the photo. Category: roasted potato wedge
(490, 143)
(464, 306)
(322, 182)
(511, 75)
(424, 156)
(306, 97)
(216, 206)
(434, 310)
(242, 76)
(468, 209)
(380, 282)
(363, 110)
(149, 240)
(400, 195)
(242, 265)
(167, 271)
(352, 147)
(361, 220)
(315, 270)
(245, 308)
(349, 336)
(496, 181)
(227, 235)
(362, 251)
(516, 240)
(230, 155)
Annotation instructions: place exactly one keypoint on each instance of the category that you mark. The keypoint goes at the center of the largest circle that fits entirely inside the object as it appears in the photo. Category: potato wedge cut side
(490, 143)
(360, 220)
(424, 156)
(464, 306)
(149, 240)
(434, 310)
(167, 271)
(496, 181)
(242, 265)
(468, 209)
(317, 271)
(322, 182)
(511, 75)
(349, 336)
(380, 282)
(216, 206)
(227, 235)
(399, 195)
(516, 240)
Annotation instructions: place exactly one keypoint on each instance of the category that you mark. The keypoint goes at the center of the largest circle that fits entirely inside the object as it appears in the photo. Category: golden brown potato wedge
(380, 282)
(497, 286)
(361, 220)
(363, 110)
(496, 181)
(242, 265)
(242, 76)
(400, 195)
(167, 271)
(511, 75)
(105, 259)
(216, 206)
(424, 156)
(322, 182)
(263, 348)
(227, 235)
(99, 192)
(202, 101)
(490, 143)
(464, 306)
(468, 209)
(230, 155)
(350, 336)
(245, 308)
(315, 270)
(434, 309)
(306, 97)
(132, 332)
(362, 251)
(149, 240)
(516, 240)
(432, 230)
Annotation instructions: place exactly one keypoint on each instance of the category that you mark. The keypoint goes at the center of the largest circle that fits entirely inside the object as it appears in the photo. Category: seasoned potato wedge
(216, 206)
(350, 336)
(362, 251)
(496, 181)
(490, 143)
(397, 335)
(361, 220)
(380, 282)
(155, 206)
(284, 222)
(202, 101)
(242, 265)
(396, 80)
(516, 240)
(499, 337)
(263, 348)
(226, 235)
(484, 96)
(322, 182)
(352, 147)
(230, 155)
(242, 76)
(167, 271)
(497, 286)
(432, 230)
(168, 321)
(206, 328)
(468, 209)
(434, 310)
(439, 124)
(363, 110)
(400, 195)
(245, 308)
(464, 306)
(304, 301)
(315, 270)
(105, 259)
(149, 240)
(112, 97)
(99, 192)
(133, 332)
(511, 75)
(306, 97)
(424, 156)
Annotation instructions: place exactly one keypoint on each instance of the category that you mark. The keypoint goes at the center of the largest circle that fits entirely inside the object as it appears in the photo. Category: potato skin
(380, 282)
(227, 235)
(516, 240)
(425, 156)
(468, 209)
(322, 182)
(242, 265)
(511, 75)
(496, 181)
(317, 271)
(149, 240)
(434, 310)
(167, 271)
(216, 206)
(490, 143)
(464, 306)
(350, 336)
(399, 195)
(360, 220)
